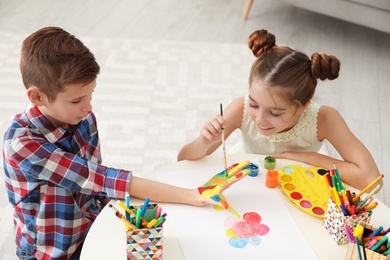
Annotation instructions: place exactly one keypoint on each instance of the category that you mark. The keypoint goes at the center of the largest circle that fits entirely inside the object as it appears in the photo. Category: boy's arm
(162, 192)
(208, 193)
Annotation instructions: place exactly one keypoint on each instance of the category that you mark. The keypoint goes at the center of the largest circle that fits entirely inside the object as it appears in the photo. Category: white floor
(204, 36)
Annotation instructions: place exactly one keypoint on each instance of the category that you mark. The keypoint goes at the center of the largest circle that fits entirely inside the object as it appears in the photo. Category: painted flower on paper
(246, 231)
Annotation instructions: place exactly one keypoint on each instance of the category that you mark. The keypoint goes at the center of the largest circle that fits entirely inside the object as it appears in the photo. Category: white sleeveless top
(301, 138)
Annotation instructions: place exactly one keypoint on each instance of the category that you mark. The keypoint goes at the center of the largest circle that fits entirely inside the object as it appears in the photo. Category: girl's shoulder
(329, 119)
(327, 112)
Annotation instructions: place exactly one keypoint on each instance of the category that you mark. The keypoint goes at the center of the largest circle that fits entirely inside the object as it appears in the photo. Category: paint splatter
(247, 230)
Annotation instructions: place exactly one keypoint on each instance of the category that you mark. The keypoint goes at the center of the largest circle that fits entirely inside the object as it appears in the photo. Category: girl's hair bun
(261, 41)
(324, 67)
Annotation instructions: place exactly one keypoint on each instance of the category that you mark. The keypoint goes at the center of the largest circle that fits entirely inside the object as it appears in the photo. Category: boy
(52, 161)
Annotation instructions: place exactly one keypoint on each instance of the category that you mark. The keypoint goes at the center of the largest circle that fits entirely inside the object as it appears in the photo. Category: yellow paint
(230, 209)
(230, 233)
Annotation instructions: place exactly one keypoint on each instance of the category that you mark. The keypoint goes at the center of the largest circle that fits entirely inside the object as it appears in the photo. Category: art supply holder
(352, 252)
(145, 243)
(335, 219)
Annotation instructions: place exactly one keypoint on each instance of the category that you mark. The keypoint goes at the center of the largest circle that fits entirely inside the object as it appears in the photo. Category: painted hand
(221, 181)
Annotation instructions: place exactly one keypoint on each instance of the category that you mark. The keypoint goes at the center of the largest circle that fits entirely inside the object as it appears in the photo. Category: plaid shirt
(53, 179)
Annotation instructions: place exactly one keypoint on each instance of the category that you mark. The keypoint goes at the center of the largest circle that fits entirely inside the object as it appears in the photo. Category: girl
(278, 115)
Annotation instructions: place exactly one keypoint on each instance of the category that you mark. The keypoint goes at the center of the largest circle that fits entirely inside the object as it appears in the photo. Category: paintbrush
(223, 143)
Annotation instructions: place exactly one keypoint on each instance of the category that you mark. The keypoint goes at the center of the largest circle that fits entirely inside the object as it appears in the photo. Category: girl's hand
(212, 131)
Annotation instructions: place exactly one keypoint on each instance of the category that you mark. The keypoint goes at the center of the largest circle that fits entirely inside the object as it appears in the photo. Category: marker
(127, 199)
(377, 238)
(138, 218)
(144, 207)
(353, 209)
(387, 252)
(371, 244)
(340, 184)
(348, 231)
(131, 218)
(223, 143)
(344, 196)
(160, 220)
(334, 182)
(387, 231)
(380, 242)
(128, 225)
(344, 210)
(364, 250)
(336, 196)
(151, 223)
(123, 206)
(369, 186)
(358, 232)
(358, 248)
(158, 212)
(349, 196)
(376, 231)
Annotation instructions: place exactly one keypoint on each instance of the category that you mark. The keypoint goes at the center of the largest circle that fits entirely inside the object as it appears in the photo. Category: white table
(107, 237)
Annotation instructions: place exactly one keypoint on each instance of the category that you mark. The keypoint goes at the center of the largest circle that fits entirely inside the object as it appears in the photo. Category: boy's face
(70, 106)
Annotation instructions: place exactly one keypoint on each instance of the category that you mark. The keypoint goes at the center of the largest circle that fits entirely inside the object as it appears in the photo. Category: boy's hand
(221, 181)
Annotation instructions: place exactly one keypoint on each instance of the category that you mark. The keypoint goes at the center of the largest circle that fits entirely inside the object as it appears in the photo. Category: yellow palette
(306, 188)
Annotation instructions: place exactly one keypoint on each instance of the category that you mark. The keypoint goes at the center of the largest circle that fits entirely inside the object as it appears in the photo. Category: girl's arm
(210, 137)
(357, 168)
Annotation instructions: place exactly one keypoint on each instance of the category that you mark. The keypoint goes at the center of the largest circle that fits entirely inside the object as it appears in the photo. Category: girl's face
(271, 109)
(70, 106)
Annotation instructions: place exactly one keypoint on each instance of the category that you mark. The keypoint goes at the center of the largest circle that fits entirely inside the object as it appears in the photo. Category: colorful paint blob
(247, 230)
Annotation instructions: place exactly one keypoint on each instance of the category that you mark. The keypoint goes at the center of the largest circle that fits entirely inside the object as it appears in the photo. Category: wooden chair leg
(247, 8)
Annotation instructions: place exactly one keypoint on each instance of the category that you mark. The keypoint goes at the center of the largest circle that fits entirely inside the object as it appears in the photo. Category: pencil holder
(352, 252)
(334, 221)
(145, 243)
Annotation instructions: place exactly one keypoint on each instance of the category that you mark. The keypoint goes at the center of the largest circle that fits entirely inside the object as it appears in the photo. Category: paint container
(253, 168)
(271, 179)
(269, 163)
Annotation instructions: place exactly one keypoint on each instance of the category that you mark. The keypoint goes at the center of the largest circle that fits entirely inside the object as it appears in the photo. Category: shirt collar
(51, 132)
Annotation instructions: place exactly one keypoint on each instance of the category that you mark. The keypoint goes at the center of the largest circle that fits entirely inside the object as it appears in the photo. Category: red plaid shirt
(53, 178)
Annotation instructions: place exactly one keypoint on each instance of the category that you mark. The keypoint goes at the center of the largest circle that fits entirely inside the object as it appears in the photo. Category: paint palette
(306, 188)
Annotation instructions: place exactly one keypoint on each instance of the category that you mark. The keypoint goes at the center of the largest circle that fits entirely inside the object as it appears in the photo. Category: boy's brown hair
(52, 58)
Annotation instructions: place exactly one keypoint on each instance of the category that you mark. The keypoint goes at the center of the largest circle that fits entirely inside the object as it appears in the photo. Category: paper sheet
(202, 232)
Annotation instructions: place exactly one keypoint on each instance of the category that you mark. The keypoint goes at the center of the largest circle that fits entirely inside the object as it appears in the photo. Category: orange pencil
(369, 186)
(370, 207)
(128, 225)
